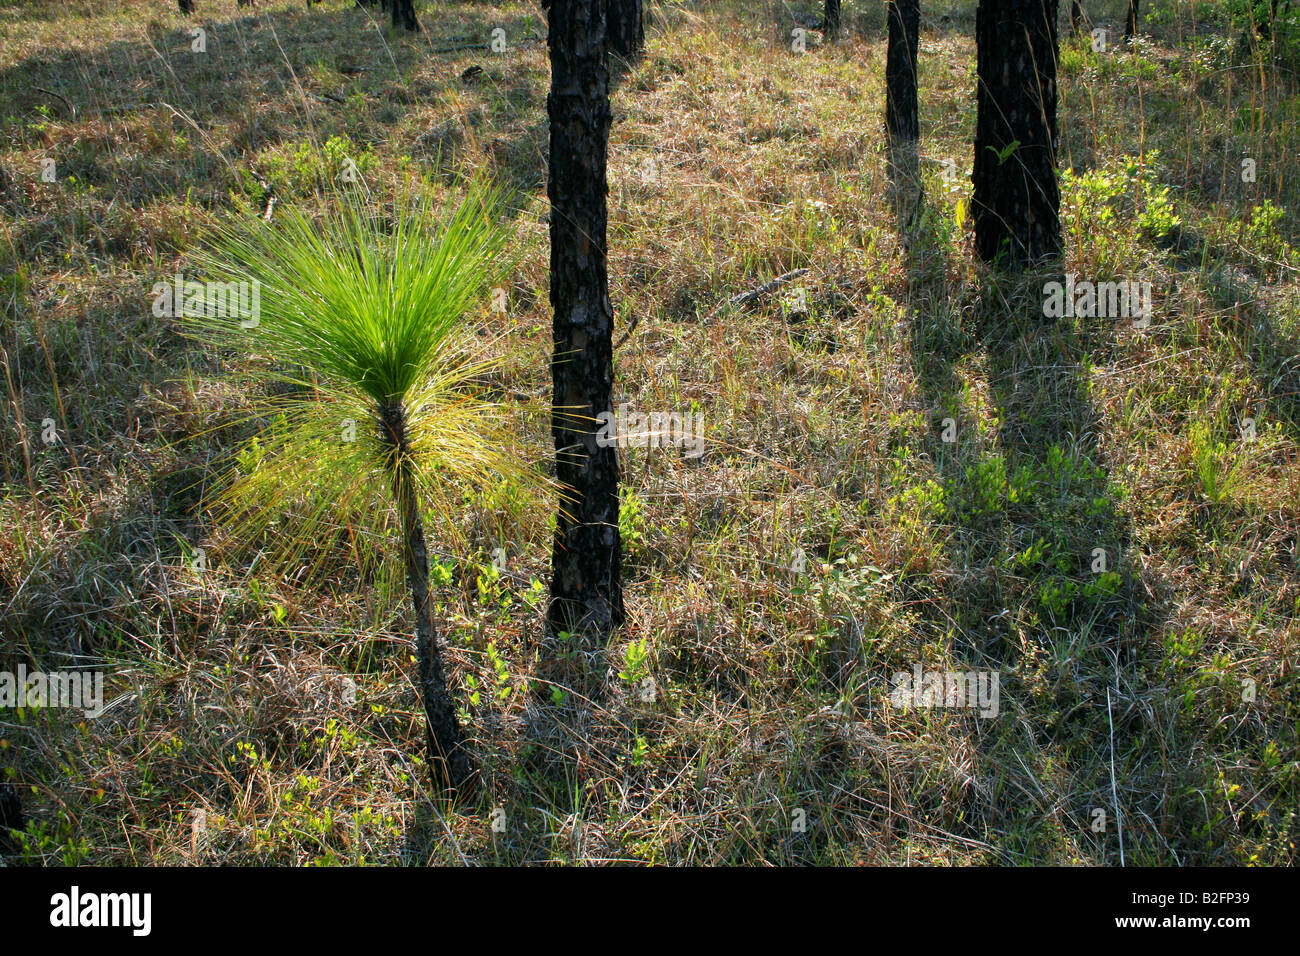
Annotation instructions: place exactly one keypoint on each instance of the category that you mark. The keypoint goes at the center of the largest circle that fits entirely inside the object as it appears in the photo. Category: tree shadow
(1042, 586)
(1083, 627)
(936, 333)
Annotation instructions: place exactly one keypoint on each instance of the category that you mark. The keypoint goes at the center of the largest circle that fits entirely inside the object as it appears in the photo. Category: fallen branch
(59, 96)
(744, 298)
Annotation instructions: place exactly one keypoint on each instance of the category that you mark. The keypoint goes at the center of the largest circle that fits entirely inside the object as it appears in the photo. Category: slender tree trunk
(11, 817)
(586, 591)
(1131, 24)
(626, 28)
(831, 20)
(11, 808)
(404, 15)
(1076, 17)
(1016, 204)
(449, 762)
(1264, 25)
(901, 119)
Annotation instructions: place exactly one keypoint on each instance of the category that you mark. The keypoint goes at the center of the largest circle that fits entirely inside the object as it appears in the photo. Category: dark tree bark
(1266, 28)
(1264, 25)
(187, 6)
(901, 120)
(831, 19)
(404, 14)
(11, 808)
(586, 591)
(1131, 23)
(11, 816)
(449, 763)
(1076, 17)
(1016, 204)
(626, 28)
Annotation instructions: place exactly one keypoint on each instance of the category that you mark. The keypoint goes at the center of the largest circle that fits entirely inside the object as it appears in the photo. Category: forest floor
(907, 464)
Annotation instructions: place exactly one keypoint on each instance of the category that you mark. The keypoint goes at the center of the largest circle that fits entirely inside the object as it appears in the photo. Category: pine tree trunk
(831, 19)
(626, 28)
(11, 808)
(1131, 23)
(12, 820)
(586, 592)
(449, 763)
(1076, 17)
(901, 121)
(404, 15)
(1016, 200)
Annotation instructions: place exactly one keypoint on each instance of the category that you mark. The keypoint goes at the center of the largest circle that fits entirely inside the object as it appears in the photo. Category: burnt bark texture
(626, 28)
(1131, 22)
(586, 591)
(831, 19)
(1016, 202)
(404, 14)
(901, 120)
(1076, 17)
(11, 817)
(449, 762)
(187, 6)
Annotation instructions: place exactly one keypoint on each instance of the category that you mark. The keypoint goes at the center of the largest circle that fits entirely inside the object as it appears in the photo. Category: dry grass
(263, 722)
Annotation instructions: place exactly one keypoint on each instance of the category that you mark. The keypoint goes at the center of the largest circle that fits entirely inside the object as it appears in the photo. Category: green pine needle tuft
(360, 311)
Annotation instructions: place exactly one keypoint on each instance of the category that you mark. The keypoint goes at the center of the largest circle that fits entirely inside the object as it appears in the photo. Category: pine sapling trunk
(449, 762)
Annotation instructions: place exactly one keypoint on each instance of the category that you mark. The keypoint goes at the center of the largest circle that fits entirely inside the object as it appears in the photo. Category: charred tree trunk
(1076, 17)
(11, 817)
(449, 762)
(187, 6)
(901, 121)
(831, 19)
(1016, 203)
(586, 591)
(626, 28)
(1131, 24)
(404, 15)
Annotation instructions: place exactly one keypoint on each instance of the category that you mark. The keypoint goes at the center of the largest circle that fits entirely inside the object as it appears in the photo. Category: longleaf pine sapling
(367, 419)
